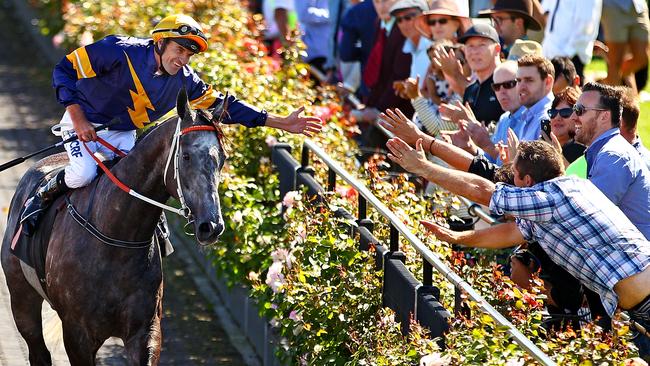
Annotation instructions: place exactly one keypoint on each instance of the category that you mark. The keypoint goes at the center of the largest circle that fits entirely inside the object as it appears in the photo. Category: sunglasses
(506, 85)
(432, 21)
(564, 112)
(580, 109)
(407, 17)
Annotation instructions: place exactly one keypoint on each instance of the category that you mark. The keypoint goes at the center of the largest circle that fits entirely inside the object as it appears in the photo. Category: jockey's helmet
(182, 29)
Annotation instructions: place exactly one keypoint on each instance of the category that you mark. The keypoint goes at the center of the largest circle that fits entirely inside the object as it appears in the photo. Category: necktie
(371, 71)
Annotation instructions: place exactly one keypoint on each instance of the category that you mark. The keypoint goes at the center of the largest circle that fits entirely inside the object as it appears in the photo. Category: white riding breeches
(82, 168)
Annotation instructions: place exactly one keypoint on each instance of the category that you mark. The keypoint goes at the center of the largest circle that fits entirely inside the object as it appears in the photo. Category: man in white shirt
(405, 13)
(280, 17)
(571, 29)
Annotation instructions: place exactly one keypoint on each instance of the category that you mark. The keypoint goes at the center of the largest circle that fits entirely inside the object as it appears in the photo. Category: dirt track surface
(191, 334)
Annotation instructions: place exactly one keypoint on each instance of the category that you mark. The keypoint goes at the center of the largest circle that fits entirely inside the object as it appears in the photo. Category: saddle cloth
(32, 251)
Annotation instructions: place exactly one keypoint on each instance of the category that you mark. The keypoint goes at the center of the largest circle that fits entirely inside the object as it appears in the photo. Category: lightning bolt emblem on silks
(141, 101)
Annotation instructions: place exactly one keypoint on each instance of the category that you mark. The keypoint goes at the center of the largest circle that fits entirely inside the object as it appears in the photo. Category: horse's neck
(125, 216)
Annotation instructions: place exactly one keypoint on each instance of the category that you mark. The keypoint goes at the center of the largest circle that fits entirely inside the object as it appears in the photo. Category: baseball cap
(480, 30)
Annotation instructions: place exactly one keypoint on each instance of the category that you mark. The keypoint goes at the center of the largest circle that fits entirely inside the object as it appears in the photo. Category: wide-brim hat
(523, 8)
(524, 47)
(441, 7)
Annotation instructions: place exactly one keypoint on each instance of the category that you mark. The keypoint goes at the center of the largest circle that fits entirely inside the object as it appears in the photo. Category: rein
(173, 152)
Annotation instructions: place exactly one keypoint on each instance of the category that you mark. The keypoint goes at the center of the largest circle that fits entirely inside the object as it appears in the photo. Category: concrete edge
(207, 285)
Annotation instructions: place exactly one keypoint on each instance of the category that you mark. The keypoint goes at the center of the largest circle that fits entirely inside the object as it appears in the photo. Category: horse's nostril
(207, 227)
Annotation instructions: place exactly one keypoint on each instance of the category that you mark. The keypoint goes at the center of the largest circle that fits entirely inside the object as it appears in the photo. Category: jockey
(137, 81)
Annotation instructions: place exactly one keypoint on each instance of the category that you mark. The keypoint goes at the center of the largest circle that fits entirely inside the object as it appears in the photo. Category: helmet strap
(160, 51)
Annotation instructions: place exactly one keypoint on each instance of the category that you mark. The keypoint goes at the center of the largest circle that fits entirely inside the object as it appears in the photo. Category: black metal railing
(401, 291)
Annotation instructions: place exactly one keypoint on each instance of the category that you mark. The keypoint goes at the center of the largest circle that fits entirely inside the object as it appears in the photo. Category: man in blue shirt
(574, 223)
(315, 24)
(629, 118)
(535, 78)
(613, 165)
(136, 81)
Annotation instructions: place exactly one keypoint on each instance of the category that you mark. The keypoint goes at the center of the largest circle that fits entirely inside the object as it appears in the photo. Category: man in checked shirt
(576, 225)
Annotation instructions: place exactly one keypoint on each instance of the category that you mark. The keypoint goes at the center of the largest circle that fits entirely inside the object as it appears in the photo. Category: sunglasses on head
(526, 257)
(563, 112)
(506, 85)
(183, 30)
(580, 109)
(407, 16)
(432, 21)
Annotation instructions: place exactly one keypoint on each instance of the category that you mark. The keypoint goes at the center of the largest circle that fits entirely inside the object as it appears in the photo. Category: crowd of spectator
(494, 91)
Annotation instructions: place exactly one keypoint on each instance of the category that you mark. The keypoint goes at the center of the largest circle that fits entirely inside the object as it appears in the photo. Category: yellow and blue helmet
(182, 29)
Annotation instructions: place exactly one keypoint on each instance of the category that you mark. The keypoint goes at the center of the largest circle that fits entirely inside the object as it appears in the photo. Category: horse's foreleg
(79, 345)
(143, 348)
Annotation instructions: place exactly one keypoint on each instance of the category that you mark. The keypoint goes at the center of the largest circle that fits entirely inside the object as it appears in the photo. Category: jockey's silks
(116, 77)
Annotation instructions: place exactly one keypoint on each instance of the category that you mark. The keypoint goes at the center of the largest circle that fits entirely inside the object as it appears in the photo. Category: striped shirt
(580, 229)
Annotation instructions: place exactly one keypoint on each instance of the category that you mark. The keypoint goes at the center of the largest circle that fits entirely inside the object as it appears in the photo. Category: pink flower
(282, 256)
(295, 316)
(290, 198)
(274, 278)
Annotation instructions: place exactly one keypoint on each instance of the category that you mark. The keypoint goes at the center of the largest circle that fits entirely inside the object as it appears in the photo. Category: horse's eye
(186, 156)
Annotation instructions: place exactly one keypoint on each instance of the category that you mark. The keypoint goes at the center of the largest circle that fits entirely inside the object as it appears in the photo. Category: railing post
(363, 208)
(331, 180)
(427, 273)
(304, 158)
(394, 238)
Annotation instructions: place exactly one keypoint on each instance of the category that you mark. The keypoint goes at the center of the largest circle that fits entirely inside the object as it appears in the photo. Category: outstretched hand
(400, 126)
(412, 160)
(295, 123)
(442, 233)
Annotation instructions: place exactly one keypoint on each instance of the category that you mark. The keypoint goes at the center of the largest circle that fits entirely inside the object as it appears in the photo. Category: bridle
(174, 154)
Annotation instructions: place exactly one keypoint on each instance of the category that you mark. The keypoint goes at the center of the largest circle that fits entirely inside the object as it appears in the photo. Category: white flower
(86, 38)
(274, 322)
(275, 278)
(517, 362)
(253, 276)
(271, 140)
(237, 217)
(290, 198)
(435, 359)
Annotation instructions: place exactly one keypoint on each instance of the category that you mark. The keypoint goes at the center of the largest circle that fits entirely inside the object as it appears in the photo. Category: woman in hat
(443, 21)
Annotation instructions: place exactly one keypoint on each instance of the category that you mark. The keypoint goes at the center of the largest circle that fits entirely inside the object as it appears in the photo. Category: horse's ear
(182, 104)
(221, 110)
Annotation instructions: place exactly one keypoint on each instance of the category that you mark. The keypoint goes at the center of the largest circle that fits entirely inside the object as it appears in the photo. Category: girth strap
(99, 235)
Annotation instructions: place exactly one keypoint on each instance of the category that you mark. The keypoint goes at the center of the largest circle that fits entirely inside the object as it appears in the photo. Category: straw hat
(522, 47)
(441, 7)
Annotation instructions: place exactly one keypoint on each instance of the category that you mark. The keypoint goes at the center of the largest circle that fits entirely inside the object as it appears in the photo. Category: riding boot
(38, 204)
(162, 237)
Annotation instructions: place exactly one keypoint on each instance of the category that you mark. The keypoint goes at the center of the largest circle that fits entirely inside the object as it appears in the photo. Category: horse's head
(201, 157)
